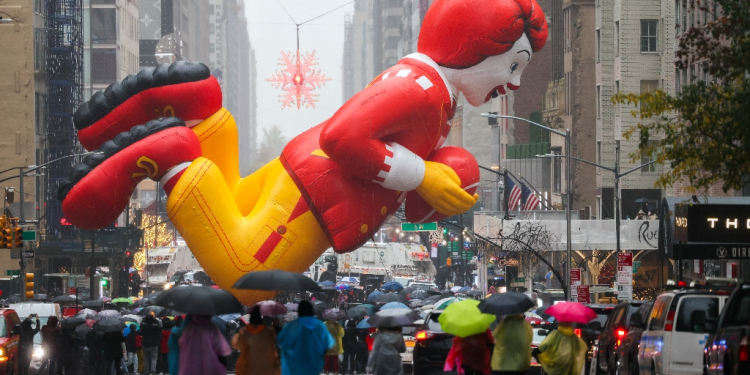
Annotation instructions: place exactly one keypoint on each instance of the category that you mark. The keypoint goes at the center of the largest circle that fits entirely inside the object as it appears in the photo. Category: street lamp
(618, 175)
(566, 135)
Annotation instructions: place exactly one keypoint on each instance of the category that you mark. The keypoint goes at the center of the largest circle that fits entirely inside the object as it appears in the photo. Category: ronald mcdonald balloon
(333, 185)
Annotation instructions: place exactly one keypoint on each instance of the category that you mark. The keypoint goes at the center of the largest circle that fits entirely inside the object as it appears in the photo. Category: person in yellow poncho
(562, 352)
(512, 353)
(332, 355)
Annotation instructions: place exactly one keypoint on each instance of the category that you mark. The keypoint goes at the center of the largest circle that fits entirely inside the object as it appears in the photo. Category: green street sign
(520, 280)
(12, 272)
(425, 227)
(636, 265)
(29, 235)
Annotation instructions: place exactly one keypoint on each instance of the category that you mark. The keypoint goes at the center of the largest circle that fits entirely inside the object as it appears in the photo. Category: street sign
(520, 279)
(636, 266)
(12, 272)
(575, 276)
(28, 254)
(583, 294)
(467, 245)
(624, 292)
(29, 235)
(425, 227)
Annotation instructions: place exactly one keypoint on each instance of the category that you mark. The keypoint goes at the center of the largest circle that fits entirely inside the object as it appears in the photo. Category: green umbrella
(445, 302)
(122, 300)
(464, 319)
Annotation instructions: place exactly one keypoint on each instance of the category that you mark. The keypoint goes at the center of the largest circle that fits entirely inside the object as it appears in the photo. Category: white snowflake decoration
(297, 80)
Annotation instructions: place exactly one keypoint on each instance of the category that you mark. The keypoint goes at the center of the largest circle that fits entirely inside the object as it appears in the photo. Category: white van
(675, 333)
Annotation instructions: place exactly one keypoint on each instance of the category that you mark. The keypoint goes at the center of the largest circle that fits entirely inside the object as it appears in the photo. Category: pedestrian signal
(29, 279)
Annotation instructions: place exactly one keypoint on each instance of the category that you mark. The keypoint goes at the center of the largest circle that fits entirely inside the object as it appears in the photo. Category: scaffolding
(64, 26)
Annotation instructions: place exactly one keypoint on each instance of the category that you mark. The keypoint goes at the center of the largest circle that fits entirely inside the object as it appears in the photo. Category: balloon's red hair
(458, 34)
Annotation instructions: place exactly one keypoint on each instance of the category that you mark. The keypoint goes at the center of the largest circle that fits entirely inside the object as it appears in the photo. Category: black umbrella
(276, 280)
(406, 291)
(201, 300)
(109, 325)
(391, 297)
(13, 299)
(506, 304)
(475, 293)
(393, 318)
(432, 299)
(153, 295)
(93, 304)
(65, 299)
(143, 302)
(359, 312)
(82, 330)
(319, 307)
(72, 322)
(40, 297)
(149, 309)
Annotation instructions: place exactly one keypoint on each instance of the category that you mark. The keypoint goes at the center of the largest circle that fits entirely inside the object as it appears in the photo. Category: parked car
(726, 350)
(627, 352)
(10, 327)
(611, 336)
(431, 347)
(673, 341)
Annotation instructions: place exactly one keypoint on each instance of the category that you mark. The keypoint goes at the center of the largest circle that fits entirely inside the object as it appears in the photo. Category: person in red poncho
(471, 355)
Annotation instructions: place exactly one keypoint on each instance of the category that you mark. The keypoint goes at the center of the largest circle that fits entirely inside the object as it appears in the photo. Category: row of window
(686, 17)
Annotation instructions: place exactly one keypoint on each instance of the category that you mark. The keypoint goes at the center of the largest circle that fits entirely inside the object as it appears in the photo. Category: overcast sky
(271, 30)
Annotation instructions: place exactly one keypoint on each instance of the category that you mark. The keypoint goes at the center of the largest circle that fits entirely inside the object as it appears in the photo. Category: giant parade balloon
(333, 185)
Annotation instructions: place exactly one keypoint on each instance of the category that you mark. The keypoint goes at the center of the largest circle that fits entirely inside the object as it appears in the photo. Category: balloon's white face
(479, 82)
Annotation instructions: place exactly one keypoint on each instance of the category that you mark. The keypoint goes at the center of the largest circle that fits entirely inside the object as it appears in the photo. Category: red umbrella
(571, 312)
(271, 308)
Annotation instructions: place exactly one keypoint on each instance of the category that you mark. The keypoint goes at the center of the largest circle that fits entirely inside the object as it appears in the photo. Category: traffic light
(104, 282)
(7, 239)
(18, 232)
(29, 286)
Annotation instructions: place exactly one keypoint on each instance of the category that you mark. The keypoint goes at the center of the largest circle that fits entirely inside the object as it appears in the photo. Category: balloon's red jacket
(355, 168)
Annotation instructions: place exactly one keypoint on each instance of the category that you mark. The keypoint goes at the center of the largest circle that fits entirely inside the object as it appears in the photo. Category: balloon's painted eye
(513, 67)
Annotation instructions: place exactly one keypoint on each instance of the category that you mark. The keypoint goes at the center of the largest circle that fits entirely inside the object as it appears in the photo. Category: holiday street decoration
(298, 79)
(334, 185)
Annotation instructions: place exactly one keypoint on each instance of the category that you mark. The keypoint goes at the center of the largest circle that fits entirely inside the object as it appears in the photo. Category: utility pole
(461, 249)
(617, 193)
(92, 269)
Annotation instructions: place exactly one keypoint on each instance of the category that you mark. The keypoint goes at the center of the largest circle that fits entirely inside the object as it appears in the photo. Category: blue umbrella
(343, 287)
(374, 295)
(363, 323)
(394, 305)
(327, 284)
(392, 285)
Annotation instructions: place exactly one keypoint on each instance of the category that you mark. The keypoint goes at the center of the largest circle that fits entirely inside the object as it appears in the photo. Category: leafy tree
(704, 127)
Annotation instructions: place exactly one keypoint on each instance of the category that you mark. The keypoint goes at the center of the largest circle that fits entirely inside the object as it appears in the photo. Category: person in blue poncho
(303, 343)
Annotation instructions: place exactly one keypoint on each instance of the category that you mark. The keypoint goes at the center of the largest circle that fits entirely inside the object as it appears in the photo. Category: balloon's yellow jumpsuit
(218, 213)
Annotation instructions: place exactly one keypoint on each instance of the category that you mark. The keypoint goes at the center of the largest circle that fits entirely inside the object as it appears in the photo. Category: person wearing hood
(332, 355)
(385, 358)
(471, 355)
(562, 352)
(512, 352)
(203, 348)
(26, 344)
(50, 342)
(131, 347)
(257, 345)
(68, 351)
(114, 351)
(151, 333)
(95, 347)
(304, 343)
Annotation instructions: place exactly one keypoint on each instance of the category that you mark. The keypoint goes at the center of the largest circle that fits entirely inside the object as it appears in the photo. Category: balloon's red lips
(497, 91)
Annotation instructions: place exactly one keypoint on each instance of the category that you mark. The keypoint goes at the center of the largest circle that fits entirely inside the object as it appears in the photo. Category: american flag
(514, 198)
(532, 201)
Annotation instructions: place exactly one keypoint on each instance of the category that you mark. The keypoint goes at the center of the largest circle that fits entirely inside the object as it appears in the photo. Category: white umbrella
(349, 279)
(456, 288)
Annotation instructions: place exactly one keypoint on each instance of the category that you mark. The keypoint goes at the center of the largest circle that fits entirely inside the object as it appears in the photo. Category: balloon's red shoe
(100, 187)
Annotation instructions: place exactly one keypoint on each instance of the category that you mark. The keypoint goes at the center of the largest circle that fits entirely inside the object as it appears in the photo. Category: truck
(376, 262)
(10, 329)
(162, 263)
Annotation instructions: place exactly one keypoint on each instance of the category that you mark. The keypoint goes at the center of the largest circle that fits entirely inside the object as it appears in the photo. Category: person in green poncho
(562, 352)
(512, 353)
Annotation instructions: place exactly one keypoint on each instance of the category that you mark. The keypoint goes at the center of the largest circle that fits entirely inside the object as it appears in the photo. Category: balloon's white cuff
(407, 169)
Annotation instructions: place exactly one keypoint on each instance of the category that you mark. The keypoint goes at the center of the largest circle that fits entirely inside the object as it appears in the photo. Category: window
(677, 80)
(690, 305)
(40, 109)
(648, 35)
(40, 49)
(683, 11)
(103, 65)
(598, 101)
(392, 42)
(598, 45)
(649, 86)
(103, 26)
(598, 152)
(617, 38)
(659, 313)
(677, 15)
(648, 157)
